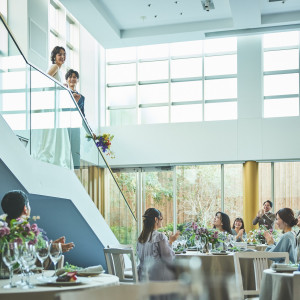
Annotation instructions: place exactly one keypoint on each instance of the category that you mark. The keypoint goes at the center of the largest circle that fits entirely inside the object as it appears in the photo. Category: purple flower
(18, 241)
(35, 229)
(32, 242)
(4, 231)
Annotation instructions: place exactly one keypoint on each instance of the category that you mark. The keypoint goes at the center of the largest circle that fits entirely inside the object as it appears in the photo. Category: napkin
(93, 269)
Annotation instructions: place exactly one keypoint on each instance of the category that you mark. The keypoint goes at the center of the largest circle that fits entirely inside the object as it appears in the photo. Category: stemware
(209, 248)
(227, 240)
(42, 252)
(10, 255)
(203, 242)
(197, 243)
(55, 253)
(28, 259)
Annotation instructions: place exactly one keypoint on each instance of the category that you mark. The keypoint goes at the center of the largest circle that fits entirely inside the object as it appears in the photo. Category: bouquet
(257, 235)
(103, 142)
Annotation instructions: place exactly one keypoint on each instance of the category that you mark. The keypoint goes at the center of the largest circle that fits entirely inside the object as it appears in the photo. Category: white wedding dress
(52, 145)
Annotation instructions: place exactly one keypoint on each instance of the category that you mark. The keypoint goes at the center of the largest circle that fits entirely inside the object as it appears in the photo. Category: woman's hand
(64, 246)
(269, 238)
(240, 233)
(174, 237)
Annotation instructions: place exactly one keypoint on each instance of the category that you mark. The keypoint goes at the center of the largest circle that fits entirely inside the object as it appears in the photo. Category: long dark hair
(287, 216)
(149, 224)
(54, 52)
(239, 219)
(225, 221)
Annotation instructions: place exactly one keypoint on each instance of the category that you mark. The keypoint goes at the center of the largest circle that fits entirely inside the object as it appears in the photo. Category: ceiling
(120, 23)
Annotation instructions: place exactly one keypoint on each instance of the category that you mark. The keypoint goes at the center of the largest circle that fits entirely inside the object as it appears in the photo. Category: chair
(260, 263)
(116, 266)
(296, 286)
(140, 291)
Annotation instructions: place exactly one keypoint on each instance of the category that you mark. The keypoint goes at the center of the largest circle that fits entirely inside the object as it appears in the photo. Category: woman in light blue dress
(285, 220)
(238, 230)
(154, 250)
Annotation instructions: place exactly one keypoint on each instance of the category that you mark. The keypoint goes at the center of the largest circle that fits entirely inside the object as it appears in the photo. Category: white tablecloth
(279, 286)
(48, 292)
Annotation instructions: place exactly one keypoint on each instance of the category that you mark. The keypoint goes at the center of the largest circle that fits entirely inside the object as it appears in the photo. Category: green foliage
(71, 268)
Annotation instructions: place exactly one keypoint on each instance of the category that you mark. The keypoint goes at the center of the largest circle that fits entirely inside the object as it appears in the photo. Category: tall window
(281, 74)
(64, 31)
(179, 82)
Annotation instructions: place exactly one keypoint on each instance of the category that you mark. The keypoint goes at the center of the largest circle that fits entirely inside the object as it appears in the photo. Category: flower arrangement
(19, 231)
(196, 231)
(103, 142)
(257, 235)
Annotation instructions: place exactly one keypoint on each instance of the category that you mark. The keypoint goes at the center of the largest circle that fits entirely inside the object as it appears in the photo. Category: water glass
(10, 255)
(209, 248)
(203, 242)
(55, 254)
(197, 243)
(42, 252)
(28, 259)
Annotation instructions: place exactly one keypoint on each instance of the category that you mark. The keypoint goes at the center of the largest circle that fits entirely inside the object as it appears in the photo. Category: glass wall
(179, 82)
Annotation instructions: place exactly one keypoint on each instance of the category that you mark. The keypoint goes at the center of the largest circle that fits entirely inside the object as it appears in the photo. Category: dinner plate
(285, 269)
(219, 253)
(51, 281)
(88, 274)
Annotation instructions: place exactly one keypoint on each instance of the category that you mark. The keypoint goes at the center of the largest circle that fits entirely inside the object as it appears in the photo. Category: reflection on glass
(220, 111)
(153, 70)
(279, 39)
(220, 88)
(282, 84)
(153, 51)
(188, 67)
(122, 117)
(198, 193)
(281, 107)
(281, 60)
(152, 115)
(186, 113)
(121, 73)
(186, 48)
(123, 95)
(233, 190)
(154, 93)
(186, 91)
(220, 65)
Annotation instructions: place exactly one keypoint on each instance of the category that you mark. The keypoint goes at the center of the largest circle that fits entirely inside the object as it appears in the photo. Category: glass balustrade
(46, 118)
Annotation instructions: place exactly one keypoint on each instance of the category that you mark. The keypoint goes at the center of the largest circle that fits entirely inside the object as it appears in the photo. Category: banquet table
(47, 292)
(218, 270)
(278, 286)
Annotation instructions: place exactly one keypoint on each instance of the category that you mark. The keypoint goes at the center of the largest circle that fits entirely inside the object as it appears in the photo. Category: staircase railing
(44, 115)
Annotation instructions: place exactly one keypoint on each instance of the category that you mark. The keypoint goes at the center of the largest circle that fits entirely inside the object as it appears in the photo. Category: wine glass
(203, 242)
(209, 248)
(10, 255)
(55, 253)
(42, 252)
(28, 259)
(227, 240)
(197, 243)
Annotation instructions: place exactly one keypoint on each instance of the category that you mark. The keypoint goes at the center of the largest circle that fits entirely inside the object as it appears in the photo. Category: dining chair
(139, 291)
(260, 263)
(116, 265)
(296, 286)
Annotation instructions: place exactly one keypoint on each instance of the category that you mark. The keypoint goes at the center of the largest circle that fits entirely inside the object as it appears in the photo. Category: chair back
(260, 263)
(116, 266)
(296, 286)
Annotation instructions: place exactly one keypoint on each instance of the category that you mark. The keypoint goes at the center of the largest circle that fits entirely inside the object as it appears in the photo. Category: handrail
(76, 105)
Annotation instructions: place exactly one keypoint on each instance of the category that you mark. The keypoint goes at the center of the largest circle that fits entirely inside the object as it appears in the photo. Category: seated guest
(154, 249)
(16, 205)
(265, 216)
(298, 239)
(238, 230)
(285, 220)
(222, 222)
